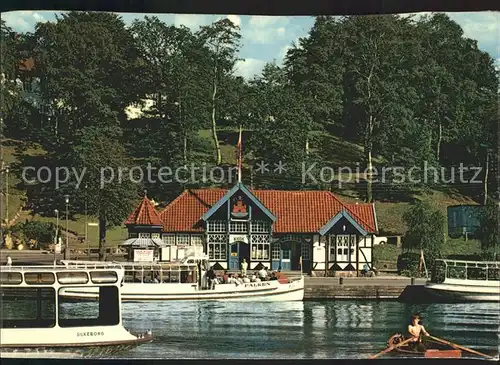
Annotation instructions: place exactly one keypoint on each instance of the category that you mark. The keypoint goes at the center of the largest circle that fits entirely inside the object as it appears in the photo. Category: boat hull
(462, 293)
(70, 350)
(433, 349)
(263, 291)
(77, 341)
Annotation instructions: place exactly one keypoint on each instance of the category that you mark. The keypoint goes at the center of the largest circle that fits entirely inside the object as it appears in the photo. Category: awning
(143, 242)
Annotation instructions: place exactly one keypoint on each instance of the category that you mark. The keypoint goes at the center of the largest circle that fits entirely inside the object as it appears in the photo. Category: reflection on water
(313, 330)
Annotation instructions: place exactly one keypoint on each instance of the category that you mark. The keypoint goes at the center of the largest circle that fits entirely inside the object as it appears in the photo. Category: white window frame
(196, 240)
(169, 239)
(217, 226)
(155, 235)
(305, 251)
(144, 235)
(217, 251)
(182, 240)
(276, 252)
(260, 226)
(260, 251)
(238, 226)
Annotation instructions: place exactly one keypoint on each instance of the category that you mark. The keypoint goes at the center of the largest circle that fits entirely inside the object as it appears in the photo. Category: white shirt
(9, 261)
(244, 265)
(262, 273)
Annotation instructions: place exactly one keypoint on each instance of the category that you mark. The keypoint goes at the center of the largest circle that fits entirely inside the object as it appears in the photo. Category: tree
(375, 81)
(315, 68)
(88, 65)
(425, 230)
(488, 231)
(279, 126)
(11, 58)
(222, 41)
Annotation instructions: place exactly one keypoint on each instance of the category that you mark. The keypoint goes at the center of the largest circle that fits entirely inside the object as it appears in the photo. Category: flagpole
(239, 157)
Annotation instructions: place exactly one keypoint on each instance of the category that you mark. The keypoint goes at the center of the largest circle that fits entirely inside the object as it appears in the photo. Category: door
(306, 256)
(234, 261)
(276, 256)
(342, 248)
(286, 254)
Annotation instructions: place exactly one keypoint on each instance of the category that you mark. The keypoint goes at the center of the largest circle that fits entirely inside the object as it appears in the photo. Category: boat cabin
(31, 297)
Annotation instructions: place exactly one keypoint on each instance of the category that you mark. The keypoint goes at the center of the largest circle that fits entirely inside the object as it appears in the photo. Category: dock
(391, 287)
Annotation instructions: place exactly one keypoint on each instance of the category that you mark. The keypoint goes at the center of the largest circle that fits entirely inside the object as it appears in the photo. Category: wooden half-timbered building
(312, 231)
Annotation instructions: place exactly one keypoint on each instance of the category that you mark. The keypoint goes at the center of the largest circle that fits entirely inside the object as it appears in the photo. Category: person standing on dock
(244, 267)
(416, 329)
(9, 261)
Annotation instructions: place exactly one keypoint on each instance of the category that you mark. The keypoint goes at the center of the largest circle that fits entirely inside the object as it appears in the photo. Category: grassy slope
(337, 153)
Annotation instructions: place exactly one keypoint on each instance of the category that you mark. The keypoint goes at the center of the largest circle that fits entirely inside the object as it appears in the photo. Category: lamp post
(7, 195)
(57, 234)
(67, 255)
(86, 224)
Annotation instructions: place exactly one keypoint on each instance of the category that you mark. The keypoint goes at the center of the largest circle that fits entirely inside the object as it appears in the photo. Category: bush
(408, 264)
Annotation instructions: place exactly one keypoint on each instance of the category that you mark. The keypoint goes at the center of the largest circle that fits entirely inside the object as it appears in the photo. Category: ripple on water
(311, 330)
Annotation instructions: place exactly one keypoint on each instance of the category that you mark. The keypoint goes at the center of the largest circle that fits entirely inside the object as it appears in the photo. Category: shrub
(408, 264)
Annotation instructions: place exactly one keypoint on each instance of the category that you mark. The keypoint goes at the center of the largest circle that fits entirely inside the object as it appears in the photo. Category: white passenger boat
(457, 280)
(38, 321)
(186, 281)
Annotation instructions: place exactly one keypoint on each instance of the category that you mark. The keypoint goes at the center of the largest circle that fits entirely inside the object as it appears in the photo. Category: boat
(465, 281)
(37, 321)
(433, 349)
(186, 280)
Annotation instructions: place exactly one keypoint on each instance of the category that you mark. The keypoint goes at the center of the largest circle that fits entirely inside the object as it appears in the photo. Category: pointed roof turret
(144, 214)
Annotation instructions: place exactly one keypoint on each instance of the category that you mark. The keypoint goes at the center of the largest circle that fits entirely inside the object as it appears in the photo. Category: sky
(267, 38)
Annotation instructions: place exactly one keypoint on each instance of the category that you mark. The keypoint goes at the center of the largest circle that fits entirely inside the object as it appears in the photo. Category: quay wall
(316, 288)
(389, 288)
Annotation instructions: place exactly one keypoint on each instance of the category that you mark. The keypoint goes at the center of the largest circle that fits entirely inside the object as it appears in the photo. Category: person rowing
(416, 329)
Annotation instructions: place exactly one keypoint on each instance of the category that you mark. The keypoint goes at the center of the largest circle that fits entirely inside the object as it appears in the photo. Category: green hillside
(339, 153)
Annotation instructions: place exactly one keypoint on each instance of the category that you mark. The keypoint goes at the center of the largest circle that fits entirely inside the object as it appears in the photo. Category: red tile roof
(296, 211)
(144, 214)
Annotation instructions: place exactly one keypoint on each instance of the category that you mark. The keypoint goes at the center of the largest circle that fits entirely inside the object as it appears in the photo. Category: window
(169, 239)
(155, 235)
(183, 239)
(132, 235)
(260, 251)
(37, 278)
(196, 240)
(260, 226)
(217, 251)
(216, 226)
(276, 252)
(305, 251)
(144, 235)
(23, 307)
(103, 311)
(352, 245)
(238, 227)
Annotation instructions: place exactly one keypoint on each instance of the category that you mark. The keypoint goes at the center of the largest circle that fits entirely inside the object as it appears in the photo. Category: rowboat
(433, 349)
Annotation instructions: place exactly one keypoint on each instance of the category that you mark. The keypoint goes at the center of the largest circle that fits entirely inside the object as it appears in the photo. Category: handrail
(53, 268)
(469, 261)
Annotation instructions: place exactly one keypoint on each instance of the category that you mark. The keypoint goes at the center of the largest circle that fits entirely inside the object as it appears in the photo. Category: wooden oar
(390, 348)
(460, 347)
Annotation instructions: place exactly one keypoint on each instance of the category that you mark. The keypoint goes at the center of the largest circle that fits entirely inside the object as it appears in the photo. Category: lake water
(307, 330)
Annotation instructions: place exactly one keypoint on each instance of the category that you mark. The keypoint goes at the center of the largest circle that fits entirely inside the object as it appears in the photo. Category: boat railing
(92, 264)
(465, 270)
